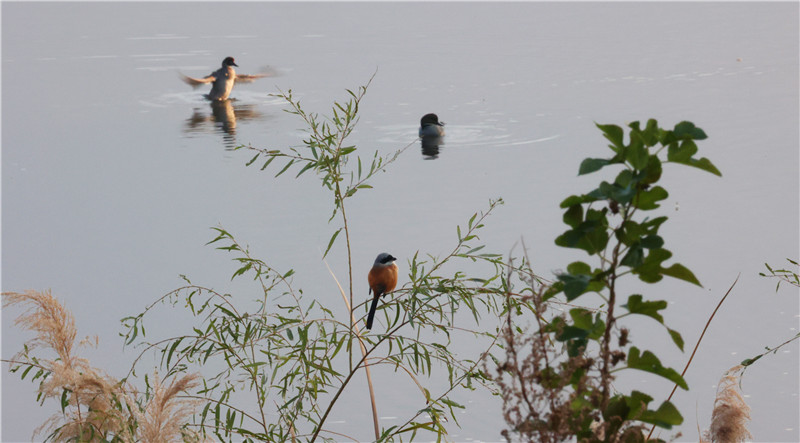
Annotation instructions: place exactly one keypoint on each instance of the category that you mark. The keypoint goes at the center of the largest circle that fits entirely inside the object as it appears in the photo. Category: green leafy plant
(553, 396)
(283, 361)
(787, 276)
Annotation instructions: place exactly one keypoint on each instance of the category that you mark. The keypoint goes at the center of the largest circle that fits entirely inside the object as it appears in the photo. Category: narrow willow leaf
(305, 168)
(330, 243)
(288, 165)
(266, 163)
(252, 160)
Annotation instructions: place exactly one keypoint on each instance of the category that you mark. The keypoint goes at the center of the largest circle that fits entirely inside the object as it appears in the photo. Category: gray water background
(113, 170)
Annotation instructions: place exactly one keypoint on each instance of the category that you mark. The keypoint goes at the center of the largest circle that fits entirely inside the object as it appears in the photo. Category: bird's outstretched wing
(246, 78)
(195, 82)
(263, 72)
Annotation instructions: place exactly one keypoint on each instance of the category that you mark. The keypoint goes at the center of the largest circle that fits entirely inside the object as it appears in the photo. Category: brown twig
(694, 351)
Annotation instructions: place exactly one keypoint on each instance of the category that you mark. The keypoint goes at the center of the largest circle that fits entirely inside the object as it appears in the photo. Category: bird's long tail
(372, 308)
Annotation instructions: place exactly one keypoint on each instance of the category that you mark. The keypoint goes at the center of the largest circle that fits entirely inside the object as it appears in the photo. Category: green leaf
(634, 257)
(686, 129)
(665, 417)
(648, 362)
(579, 267)
(652, 173)
(614, 134)
(452, 404)
(681, 153)
(637, 154)
(576, 200)
(330, 242)
(647, 200)
(589, 165)
(652, 242)
(573, 216)
(650, 270)
(706, 165)
(650, 133)
(681, 272)
(305, 168)
(574, 285)
(288, 165)
(253, 160)
(591, 235)
(676, 338)
(636, 305)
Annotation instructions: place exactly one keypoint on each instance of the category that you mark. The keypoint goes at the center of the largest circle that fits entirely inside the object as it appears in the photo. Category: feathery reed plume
(166, 413)
(90, 399)
(53, 324)
(731, 413)
(94, 405)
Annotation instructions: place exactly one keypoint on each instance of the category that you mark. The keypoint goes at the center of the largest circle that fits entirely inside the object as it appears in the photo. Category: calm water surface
(113, 170)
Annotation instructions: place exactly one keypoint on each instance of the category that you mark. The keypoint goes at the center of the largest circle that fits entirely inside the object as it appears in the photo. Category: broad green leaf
(573, 216)
(648, 362)
(636, 305)
(589, 165)
(614, 134)
(576, 200)
(681, 152)
(652, 242)
(634, 257)
(706, 165)
(650, 133)
(681, 272)
(651, 173)
(676, 338)
(665, 417)
(574, 285)
(650, 270)
(637, 154)
(686, 129)
(648, 199)
(579, 267)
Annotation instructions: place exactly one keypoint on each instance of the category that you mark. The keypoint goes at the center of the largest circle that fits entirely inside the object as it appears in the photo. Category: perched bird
(221, 80)
(430, 126)
(382, 279)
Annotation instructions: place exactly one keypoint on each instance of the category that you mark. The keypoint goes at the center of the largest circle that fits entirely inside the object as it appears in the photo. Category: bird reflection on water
(224, 116)
(431, 146)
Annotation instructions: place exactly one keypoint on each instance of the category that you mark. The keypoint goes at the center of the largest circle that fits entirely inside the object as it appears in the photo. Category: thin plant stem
(697, 345)
(363, 353)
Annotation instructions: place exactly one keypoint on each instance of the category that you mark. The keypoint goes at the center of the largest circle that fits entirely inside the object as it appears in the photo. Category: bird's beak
(234, 64)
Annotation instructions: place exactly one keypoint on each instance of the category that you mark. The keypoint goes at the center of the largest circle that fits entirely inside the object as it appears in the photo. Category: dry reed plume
(95, 406)
(731, 413)
(164, 416)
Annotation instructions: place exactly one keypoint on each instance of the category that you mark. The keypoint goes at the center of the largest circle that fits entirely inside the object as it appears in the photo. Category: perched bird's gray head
(229, 62)
(384, 258)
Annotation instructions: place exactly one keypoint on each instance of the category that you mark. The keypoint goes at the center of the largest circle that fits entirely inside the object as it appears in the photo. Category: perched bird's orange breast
(382, 279)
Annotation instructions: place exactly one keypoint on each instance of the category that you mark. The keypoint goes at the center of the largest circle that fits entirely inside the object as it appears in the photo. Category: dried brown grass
(94, 405)
(731, 413)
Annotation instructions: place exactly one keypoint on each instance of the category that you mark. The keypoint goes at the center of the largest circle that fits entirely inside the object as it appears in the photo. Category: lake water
(113, 170)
